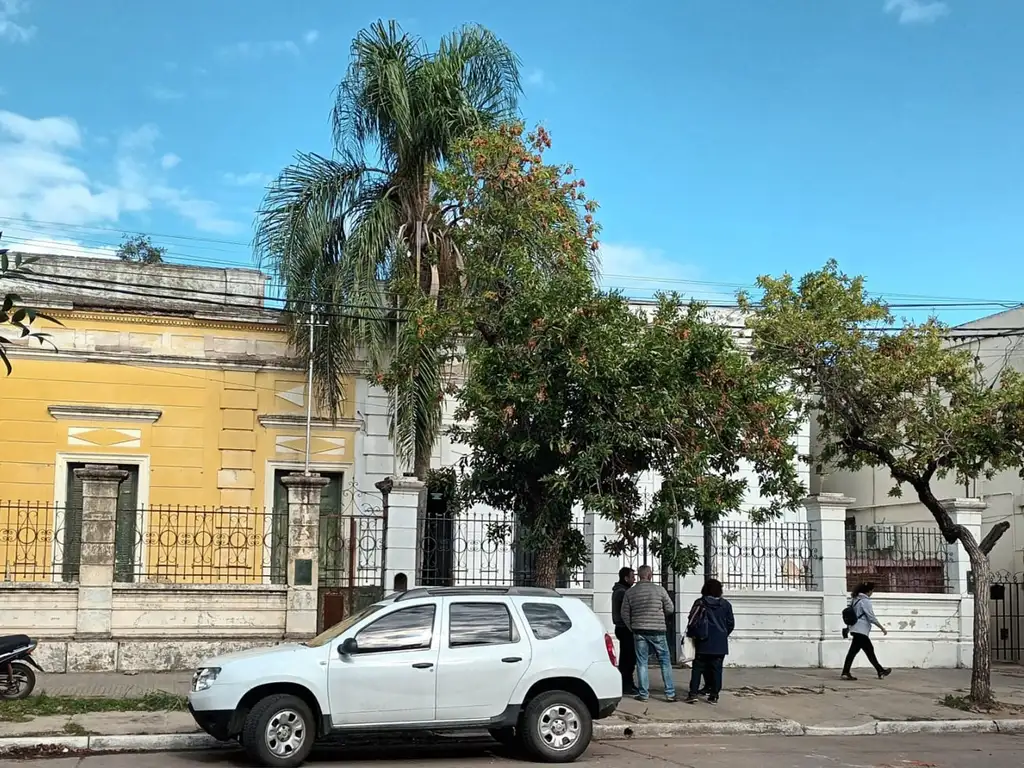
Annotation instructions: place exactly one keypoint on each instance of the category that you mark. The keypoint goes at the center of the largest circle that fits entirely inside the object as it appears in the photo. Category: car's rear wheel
(556, 727)
(279, 731)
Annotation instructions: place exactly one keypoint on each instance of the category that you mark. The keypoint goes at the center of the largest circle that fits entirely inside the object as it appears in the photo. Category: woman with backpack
(859, 617)
(709, 625)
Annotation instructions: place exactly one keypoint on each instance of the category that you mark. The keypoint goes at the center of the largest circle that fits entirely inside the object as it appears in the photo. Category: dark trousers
(710, 668)
(858, 643)
(627, 656)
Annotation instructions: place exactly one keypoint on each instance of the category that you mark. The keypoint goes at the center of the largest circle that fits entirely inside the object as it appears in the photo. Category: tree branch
(993, 536)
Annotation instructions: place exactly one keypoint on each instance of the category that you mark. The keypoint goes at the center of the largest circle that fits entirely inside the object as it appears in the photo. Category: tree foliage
(14, 316)
(358, 238)
(899, 397)
(139, 249)
(571, 395)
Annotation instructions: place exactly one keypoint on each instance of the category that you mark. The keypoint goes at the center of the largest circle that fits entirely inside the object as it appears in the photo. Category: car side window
(407, 629)
(480, 624)
(546, 620)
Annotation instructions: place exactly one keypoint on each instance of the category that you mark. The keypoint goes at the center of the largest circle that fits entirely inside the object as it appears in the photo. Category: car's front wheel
(279, 731)
(557, 727)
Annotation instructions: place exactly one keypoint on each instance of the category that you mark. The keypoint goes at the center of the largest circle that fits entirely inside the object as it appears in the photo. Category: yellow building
(181, 377)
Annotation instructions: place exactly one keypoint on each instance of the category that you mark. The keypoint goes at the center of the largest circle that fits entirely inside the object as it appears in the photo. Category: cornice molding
(198, 321)
(293, 420)
(104, 413)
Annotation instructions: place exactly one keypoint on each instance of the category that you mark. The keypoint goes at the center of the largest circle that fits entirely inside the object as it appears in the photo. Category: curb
(181, 742)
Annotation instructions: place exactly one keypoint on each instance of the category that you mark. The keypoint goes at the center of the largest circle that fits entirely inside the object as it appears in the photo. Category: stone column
(100, 484)
(303, 552)
(965, 512)
(406, 497)
(603, 569)
(826, 513)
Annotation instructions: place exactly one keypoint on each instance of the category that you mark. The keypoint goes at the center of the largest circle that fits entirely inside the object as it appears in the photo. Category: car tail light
(610, 647)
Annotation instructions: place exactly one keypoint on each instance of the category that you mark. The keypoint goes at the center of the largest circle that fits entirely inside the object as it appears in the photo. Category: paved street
(959, 751)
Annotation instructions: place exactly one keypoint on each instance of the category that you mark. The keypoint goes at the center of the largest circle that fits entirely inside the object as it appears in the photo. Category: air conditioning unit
(882, 537)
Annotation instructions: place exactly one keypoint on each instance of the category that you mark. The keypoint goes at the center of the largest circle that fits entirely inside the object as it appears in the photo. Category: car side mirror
(348, 646)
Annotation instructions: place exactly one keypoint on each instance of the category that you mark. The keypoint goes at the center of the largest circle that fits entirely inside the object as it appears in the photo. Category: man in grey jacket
(645, 610)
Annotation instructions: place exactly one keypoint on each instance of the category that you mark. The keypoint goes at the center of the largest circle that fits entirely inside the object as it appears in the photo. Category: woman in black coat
(710, 623)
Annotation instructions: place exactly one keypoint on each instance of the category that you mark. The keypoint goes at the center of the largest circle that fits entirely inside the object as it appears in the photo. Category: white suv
(532, 667)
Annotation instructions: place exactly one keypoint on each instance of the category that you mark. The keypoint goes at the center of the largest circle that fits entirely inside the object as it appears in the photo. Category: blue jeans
(644, 643)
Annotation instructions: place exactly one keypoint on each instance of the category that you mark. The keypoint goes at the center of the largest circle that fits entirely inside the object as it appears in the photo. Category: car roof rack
(469, 591)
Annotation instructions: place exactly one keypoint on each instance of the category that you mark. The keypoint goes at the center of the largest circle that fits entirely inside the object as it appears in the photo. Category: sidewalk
(772, 700)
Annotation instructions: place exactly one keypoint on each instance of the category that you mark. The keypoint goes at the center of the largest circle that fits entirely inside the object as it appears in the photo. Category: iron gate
(1006, 600)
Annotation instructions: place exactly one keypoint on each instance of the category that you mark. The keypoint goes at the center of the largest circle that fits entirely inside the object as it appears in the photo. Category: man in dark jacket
(710, 623)
(627, 653)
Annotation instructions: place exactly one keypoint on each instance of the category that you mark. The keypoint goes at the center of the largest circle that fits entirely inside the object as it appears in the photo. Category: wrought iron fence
(352, 541)
(33, 546)
(899, 559)
(774, 556)
(1006, 606)
(483, 548)
(202, 545)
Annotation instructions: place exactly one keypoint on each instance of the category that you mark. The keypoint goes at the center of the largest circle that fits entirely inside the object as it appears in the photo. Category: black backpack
(850, 614)
(697, 625)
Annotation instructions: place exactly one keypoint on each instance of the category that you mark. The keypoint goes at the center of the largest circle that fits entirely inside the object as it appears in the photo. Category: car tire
(279, 731)
(556, 727)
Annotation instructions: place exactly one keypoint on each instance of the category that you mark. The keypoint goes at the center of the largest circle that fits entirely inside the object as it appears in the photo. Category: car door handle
(512, 659)
(422, 665)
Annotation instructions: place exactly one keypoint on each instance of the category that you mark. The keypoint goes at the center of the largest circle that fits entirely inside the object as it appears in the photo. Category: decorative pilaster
(826, 513)
(406, 497)
(965, 512)
(303, 552)
(100, 484)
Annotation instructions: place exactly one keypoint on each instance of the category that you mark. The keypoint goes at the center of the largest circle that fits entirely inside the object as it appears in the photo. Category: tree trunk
(547, 562)
(421, 464)
(981, 664)
(709, 551)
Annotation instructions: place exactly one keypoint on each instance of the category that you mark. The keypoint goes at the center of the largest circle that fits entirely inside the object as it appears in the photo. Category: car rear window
(547, 620)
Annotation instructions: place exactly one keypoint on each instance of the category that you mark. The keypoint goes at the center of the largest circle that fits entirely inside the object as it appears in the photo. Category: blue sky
(723, 139)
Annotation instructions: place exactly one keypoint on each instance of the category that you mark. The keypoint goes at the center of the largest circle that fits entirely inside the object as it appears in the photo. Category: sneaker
(640, 697)
(671, 699)
(712, 699)
(847, 676)
(691, 699)
(884, 673)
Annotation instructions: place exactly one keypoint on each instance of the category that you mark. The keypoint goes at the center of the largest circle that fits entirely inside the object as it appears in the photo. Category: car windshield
(332, 632)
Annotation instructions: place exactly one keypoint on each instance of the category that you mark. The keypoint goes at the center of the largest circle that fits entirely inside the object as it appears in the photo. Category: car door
(392, 677)
(484, 654)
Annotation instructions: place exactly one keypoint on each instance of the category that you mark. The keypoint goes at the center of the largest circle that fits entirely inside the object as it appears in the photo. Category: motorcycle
(16, 660)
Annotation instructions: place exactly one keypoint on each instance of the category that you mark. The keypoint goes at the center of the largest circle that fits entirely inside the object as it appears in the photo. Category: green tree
(898, 397)
(571, 395)
(14, 316)
(358, 238)
(139, 249)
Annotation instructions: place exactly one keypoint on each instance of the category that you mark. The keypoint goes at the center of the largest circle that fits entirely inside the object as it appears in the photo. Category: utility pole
(311, 322)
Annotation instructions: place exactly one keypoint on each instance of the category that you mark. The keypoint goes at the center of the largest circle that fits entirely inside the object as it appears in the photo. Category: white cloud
(917, 11)
(44, 182)
(641, 272)
(538, 79)
(250, 179)
(311, 37)
(168, 161)
(258, 50)
(160, 93)
(11, 30)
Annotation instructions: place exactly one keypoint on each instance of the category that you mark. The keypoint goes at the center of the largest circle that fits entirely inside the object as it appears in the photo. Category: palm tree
(355, 237)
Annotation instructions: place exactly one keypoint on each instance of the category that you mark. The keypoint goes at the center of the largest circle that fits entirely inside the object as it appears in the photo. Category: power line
(655, 279)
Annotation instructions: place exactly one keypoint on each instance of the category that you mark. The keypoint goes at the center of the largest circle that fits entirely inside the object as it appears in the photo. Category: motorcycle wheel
(20, 684)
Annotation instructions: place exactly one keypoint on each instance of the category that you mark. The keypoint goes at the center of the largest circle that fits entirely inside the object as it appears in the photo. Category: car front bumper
(216, 722)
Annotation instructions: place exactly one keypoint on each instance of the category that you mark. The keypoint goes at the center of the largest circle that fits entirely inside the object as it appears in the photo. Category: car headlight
(204, 677)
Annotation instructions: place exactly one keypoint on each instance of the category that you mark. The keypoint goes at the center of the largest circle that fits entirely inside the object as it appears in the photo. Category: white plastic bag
(686, 652)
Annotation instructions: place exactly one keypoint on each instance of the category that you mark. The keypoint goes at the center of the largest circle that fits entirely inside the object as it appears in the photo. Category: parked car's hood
(261, 652)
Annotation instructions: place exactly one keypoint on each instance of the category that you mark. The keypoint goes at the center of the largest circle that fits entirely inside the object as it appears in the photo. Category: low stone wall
(154, 627)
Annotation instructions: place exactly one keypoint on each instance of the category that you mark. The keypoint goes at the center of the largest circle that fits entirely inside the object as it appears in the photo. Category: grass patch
(957, 702)
(72, 728)
(43, 705)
